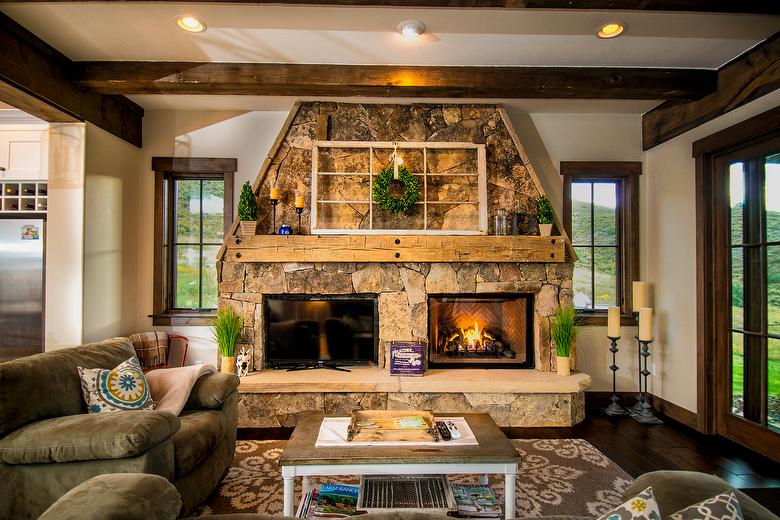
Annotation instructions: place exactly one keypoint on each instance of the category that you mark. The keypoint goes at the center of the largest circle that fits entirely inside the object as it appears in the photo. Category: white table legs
(289, 493)
(509, 495)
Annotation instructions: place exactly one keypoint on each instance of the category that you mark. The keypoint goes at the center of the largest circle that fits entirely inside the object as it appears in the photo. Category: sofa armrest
(211, 390)
(676, 490)
(118, 496)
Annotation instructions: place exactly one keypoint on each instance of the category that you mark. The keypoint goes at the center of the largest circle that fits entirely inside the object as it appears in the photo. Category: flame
(474, 337)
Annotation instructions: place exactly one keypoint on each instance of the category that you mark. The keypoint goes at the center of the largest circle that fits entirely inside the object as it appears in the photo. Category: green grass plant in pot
(226, 329)
(564, 327)
(544, 214)
(247, 210)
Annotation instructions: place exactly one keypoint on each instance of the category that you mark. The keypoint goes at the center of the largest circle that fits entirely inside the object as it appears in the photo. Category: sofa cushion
(48, 385)
(88, 437)
(639, 507)
(123, 387)
(724, 506)
(198, 436)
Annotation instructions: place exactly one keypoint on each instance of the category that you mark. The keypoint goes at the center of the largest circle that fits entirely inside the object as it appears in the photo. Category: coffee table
(495, 454)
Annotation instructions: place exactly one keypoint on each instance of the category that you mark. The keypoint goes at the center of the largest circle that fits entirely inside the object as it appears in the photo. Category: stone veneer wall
(402, 291)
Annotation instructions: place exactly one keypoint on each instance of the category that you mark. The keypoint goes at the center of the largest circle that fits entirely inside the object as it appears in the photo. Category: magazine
(329, 501)
(475, 500)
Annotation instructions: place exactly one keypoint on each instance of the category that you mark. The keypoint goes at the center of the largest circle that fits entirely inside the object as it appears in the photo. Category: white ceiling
(255, 33)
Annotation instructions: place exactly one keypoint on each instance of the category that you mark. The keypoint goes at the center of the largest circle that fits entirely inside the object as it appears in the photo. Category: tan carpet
(557, 477)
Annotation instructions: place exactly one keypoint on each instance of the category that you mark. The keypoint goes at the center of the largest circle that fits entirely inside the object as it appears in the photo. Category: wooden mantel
(394, 248)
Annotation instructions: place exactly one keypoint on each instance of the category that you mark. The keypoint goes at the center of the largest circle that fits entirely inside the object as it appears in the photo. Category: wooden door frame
(712, 224)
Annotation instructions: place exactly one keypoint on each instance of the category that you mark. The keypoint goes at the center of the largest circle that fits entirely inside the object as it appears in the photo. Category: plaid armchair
(158, 349)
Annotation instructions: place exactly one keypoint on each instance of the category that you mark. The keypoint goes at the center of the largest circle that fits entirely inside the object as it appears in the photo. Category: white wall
(110, 235)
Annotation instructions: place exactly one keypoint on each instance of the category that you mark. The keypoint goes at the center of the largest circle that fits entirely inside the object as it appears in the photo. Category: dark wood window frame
(626, 176)
(167, 169)
(712, 287)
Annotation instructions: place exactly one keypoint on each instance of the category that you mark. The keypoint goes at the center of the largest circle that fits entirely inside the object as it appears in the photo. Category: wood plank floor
(638, 449)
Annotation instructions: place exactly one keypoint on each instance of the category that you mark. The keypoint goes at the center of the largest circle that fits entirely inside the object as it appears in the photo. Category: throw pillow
(721, 507)
(121, 388)
(641, 507)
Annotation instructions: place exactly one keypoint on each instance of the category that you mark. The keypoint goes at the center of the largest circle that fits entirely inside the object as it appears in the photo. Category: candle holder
(274, 202)
(637, 406)
(614, 408)
(299, 211)
(644, 413)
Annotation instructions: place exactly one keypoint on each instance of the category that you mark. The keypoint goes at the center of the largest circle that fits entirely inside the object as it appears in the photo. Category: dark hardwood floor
(638, 449)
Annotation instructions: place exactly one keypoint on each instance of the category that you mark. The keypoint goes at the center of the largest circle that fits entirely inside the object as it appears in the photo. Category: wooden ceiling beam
(747, 77)
(704, 6)
(34, 78)
(280, 79)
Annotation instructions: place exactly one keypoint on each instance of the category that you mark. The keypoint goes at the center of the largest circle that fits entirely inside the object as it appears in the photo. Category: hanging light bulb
(395, 160)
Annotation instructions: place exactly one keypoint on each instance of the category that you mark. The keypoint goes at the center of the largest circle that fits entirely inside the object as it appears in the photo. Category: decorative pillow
(641, 507)
(120, 388)
(721, 507)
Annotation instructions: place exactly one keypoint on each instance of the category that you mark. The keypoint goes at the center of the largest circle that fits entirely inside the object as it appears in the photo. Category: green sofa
(49, 444)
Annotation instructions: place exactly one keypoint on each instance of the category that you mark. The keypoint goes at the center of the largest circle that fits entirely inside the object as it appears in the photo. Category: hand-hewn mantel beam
(34, 78)
(707, 6)
(275, 79)
(747, 77)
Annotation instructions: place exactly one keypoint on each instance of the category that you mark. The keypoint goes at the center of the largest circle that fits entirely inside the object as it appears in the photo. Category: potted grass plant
(563, 330)
(247, 210)
(544, 215)
(226, 329)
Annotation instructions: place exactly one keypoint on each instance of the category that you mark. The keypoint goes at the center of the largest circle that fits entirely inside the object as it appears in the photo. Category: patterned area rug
(557, 477)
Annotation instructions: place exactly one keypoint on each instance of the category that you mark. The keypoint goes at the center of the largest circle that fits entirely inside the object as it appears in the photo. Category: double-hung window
(602, 219)
(193, 212)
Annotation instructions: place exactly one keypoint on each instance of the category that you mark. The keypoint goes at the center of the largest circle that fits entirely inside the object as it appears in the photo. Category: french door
(748, 243)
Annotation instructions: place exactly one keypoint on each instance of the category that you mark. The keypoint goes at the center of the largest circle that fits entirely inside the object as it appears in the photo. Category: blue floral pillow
(641, 507)
(120, 388)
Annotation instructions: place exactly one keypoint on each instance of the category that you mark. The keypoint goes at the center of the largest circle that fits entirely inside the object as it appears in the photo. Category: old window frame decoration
(481, 173)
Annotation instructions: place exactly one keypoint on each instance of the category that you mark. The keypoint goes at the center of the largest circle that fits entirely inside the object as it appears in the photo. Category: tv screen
(325, 330)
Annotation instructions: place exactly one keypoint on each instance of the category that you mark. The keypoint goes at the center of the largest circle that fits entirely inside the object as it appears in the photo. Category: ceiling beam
(747, 77)
(280, 79)
(34, 78)
(704, 6)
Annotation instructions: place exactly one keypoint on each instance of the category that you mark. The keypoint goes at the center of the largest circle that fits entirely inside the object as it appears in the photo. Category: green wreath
(386, 201)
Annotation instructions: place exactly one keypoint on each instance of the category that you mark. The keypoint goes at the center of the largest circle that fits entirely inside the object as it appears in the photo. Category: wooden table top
(494, 447)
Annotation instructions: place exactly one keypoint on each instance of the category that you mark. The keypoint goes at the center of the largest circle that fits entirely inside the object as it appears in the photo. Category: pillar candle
(639, 292)
(274, 192)
(299, 203)
(613, 322)
(646, 324)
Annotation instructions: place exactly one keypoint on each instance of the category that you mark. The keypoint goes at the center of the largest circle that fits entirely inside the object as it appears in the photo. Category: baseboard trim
(669, 409)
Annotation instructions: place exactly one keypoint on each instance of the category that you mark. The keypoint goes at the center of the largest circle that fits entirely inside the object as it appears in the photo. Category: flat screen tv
(320, 331)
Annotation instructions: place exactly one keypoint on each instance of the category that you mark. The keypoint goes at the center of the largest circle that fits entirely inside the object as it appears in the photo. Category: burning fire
(475, 338)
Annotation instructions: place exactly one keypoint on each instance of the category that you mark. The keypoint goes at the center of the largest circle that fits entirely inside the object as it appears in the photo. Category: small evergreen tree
(544, 211)
(247, 204)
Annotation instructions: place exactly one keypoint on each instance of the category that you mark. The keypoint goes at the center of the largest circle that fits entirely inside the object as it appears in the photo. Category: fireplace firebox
(483, 331)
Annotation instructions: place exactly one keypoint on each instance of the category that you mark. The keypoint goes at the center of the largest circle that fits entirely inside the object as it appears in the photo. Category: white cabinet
(24, 154)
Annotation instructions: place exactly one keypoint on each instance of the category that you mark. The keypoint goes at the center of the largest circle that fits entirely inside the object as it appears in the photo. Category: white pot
(545, 230)
(248, 227)
(562, 366)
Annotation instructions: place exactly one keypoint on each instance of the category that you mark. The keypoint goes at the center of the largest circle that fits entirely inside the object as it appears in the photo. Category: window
(601, 218)
(194, 209)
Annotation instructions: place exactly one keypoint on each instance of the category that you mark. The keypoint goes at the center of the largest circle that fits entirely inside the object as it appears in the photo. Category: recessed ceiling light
(191, 24)
(411, 28)
(610, 30)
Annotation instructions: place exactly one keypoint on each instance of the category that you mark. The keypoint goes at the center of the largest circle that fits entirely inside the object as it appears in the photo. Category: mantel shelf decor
(395, 248)
(444, 188)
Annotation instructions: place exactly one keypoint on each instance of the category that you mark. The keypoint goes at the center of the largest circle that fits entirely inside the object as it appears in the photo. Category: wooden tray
(382, 426)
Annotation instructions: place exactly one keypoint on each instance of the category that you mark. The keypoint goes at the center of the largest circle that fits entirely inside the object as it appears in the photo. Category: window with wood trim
(601, 215)
(193, 212)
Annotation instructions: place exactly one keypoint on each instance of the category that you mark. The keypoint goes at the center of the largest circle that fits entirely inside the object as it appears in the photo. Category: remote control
(443, 430)
(454, 431)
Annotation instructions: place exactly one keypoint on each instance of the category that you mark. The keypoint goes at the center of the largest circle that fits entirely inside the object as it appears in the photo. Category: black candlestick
(614, 408)
(637, 407)
(299, 211)
(273, 226)
(644, 413)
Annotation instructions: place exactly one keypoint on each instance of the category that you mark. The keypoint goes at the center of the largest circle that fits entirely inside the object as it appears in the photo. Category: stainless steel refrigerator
(21, 286)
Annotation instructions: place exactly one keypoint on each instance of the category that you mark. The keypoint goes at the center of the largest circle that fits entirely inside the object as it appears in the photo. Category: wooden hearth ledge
(394, 248)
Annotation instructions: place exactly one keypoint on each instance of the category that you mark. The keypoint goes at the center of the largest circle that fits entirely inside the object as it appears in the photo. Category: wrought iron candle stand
(275, 202)
(614, 408)
(644, 413)
(299, 211)
(637, 406)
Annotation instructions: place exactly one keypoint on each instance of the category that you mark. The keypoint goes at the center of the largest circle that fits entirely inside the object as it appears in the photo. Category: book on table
(476, 500)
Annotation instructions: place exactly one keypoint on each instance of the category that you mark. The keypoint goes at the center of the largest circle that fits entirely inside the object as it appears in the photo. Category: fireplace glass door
(483, 331)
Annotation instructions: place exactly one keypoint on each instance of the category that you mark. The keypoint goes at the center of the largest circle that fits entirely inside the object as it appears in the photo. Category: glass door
(749, 409)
